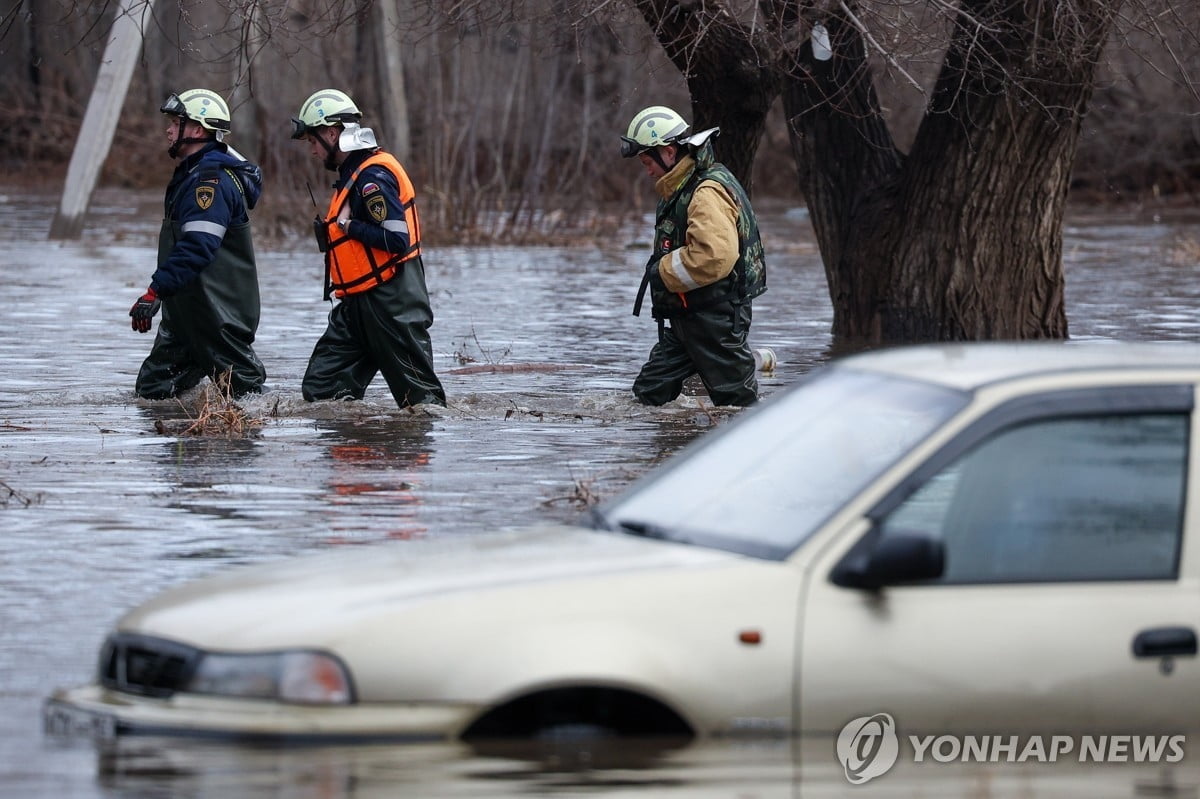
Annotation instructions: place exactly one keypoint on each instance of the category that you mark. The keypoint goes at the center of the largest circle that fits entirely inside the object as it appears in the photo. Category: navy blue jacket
(389, 234)
(210, 192)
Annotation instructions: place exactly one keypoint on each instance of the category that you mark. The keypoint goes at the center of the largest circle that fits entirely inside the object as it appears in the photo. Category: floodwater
(536, 348)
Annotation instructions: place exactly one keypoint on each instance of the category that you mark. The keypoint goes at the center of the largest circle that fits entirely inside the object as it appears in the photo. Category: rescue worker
(706, 266)
(206, 282)
(371, 237)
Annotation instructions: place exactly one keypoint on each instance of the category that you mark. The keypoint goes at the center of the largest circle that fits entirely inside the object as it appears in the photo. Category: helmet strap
(174, 149)
(656, 154)
(331, 151)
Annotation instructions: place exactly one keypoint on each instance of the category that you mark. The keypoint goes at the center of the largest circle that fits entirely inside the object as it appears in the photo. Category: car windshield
(765, 483)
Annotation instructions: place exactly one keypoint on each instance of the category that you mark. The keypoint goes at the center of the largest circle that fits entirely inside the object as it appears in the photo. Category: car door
(1066, 600)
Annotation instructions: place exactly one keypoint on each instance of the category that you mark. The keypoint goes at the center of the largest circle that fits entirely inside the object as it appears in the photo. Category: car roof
(971, 365)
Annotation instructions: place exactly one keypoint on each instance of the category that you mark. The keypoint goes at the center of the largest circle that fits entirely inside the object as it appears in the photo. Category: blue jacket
(210, 192)
(387, 233)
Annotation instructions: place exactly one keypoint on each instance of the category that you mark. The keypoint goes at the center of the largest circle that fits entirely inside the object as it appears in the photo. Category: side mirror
(878, 561)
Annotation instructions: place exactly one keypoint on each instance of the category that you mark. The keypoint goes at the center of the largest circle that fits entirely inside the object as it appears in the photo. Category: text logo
(867, 747)
(1042, 749)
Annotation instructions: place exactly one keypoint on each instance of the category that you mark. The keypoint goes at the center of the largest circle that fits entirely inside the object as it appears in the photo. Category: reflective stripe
(674, 266)
(211, 228)
(396, 226)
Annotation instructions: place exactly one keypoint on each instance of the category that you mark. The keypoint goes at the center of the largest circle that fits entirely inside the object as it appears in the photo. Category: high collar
(190, 162)
(353, 161)
(669, 183)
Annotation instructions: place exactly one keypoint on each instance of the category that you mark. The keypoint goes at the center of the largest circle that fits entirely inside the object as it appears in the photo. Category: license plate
(64, 721)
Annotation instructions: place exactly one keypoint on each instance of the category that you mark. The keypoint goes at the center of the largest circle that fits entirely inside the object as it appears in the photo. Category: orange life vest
(350, 265)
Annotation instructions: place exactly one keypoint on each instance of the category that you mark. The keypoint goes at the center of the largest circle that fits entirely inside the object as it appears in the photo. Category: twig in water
(217, 414)
(8, 494)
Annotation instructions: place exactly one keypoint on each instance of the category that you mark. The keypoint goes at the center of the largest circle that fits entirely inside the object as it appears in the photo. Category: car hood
(296, 602)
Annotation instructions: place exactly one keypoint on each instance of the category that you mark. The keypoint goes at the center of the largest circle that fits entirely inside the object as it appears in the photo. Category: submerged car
(971, 538)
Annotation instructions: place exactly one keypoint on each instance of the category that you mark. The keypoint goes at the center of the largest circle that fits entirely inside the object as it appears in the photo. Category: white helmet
(652, 127)
(329, 107)
(322, 108)
(202, 106)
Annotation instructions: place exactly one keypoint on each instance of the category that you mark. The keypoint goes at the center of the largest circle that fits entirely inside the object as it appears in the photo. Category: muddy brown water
(536, 347)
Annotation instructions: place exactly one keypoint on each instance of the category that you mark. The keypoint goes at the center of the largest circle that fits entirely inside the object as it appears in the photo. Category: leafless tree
(934, 147)
(960, 235)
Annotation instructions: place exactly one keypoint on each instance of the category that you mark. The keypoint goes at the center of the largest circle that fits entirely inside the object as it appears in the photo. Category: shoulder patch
(377, 207)
(369, 189)
(204, 197)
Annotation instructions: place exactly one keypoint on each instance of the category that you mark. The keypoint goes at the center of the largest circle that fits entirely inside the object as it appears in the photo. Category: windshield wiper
(645, 529)
(599, 521)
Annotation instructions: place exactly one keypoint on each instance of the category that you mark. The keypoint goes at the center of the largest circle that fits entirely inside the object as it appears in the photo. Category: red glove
(144, 310)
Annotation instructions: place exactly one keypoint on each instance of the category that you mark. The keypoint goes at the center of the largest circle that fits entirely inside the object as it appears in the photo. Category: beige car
(972, 539)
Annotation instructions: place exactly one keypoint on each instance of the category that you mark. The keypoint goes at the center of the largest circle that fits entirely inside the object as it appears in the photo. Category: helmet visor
(630, 147)
(174, 106)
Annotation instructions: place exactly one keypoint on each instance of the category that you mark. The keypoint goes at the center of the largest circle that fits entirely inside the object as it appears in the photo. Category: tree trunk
(247, 134)
(100, 119)
(731, 78)
(847, 167)
(392, 97)
(962, 239)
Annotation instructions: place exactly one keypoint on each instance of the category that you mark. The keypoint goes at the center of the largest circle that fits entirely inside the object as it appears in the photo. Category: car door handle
(1164, 641)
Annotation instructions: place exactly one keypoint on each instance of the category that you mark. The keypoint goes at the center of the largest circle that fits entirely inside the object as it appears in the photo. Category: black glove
(654, 277)
(144, 310)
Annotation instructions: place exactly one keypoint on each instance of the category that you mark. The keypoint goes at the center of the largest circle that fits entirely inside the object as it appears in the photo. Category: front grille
(140, 664)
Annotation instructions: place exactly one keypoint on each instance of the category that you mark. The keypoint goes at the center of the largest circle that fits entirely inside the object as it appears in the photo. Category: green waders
(385, 329)
(208, 327)
(710, 342)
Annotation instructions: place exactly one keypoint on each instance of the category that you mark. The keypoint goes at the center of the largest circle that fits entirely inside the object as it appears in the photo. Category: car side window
(1063, 499)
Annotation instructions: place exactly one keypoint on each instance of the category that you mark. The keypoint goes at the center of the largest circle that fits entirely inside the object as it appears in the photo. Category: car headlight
(314, 678)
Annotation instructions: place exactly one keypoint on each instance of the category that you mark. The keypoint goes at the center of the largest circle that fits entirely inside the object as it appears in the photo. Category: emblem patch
(378, 208)
(370, 189)
(204, 197)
